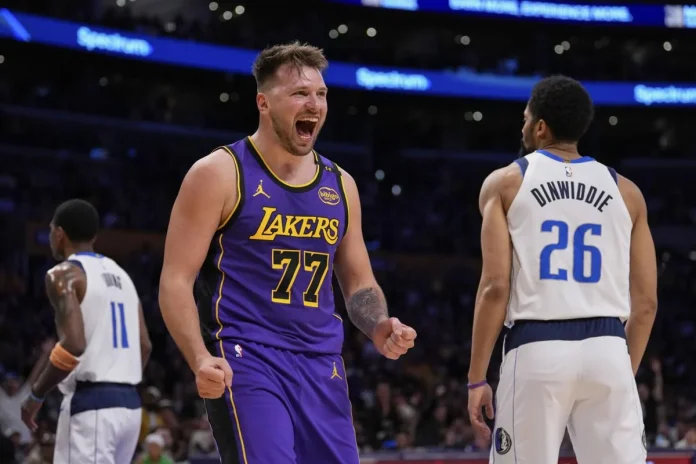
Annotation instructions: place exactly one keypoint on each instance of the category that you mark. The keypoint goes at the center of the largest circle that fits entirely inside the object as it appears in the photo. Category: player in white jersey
(568, 258)
(102, 348)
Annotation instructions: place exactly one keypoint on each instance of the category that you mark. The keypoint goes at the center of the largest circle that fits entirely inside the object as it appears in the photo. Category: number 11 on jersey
(580, 251)
(118, 318)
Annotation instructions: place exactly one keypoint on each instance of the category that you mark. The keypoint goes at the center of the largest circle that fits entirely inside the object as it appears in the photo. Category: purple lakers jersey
(267, 277)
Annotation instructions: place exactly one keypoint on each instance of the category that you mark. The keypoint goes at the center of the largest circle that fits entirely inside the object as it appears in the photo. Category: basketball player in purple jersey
(260, 226)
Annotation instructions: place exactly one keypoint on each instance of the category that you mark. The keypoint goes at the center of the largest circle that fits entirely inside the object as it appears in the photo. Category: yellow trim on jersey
(222, 348)
(316, 174)
(239, 188)
(352, 422)
(343, 191)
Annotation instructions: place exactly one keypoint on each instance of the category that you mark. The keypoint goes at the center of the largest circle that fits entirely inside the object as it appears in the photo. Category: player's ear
(60, 236)
(541, 129)
(262, 102)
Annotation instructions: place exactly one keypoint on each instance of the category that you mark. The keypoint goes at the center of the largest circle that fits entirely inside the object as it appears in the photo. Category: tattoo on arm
(62, 285)
(366, 308)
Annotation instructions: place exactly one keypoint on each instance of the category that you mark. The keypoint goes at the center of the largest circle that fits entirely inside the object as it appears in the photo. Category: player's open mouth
(305, 127)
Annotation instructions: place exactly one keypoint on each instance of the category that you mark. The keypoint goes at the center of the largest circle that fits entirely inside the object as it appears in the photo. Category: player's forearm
(181, 318)
(48, 379)
(367, 307)
(638, 328)
(489, 316)
(38, 367)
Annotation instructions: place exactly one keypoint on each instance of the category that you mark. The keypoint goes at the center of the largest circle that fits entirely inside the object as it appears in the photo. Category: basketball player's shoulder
(65, 269)
(224, 158)
(632, 196)
(63, 277)
(347, 180)
(215, 170)
(503, 182)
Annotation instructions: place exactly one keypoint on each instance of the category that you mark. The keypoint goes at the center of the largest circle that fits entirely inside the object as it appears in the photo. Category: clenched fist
(213, 375)
(392, 338)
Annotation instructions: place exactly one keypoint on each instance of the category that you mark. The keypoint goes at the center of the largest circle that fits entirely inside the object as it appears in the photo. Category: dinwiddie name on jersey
(551, 191)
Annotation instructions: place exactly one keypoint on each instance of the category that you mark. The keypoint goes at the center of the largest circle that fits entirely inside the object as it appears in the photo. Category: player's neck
(279, 160)
(565, 150)
(78, 248)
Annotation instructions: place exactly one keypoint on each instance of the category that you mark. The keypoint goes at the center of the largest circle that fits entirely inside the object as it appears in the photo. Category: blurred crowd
(122, 135)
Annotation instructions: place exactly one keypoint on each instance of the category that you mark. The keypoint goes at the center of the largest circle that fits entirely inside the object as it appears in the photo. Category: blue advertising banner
(464, 84)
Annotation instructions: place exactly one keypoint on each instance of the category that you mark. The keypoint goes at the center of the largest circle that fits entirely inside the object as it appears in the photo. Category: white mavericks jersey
(111, 323)
(571, 233)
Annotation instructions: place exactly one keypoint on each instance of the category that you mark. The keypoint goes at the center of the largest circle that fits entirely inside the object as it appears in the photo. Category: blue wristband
(36, 398)
(472, 386)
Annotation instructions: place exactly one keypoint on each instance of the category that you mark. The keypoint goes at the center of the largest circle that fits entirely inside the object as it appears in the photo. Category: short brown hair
(295, 54)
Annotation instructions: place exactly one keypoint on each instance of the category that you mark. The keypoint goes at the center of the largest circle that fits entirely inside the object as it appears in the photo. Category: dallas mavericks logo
(569, 171)
(503, 442)
(238, 351)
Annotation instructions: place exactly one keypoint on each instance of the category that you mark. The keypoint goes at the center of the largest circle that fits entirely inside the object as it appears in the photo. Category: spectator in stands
(689, 440)
(432, 430)
(651, 400)
(8, 447)
(154, 451)
(43, 453)
(152, 417)
(664, 437)
(13, 392)
(384, 419)
(202, 442)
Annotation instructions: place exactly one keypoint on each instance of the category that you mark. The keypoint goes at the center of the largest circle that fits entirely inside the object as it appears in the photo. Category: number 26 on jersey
(585, 257)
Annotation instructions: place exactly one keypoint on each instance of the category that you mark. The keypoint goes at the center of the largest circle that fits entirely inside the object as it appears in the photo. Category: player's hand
(213, 375)
(392, 338)
(30, 407)
(479, 399)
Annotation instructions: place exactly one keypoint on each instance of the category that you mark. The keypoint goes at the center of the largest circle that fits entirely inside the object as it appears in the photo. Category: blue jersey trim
(523, 163)
(76, 263)
(584, 159)
(614, 175)
(89, 253)
(528, 331)
(92, 396)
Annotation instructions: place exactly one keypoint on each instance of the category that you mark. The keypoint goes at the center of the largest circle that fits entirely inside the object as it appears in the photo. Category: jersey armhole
(339, 178)
(523, 163)
(613, 174)
(240, 191)
(76, 263)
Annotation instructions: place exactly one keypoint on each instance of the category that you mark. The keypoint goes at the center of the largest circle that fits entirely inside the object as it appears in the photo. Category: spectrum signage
(461, 83)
